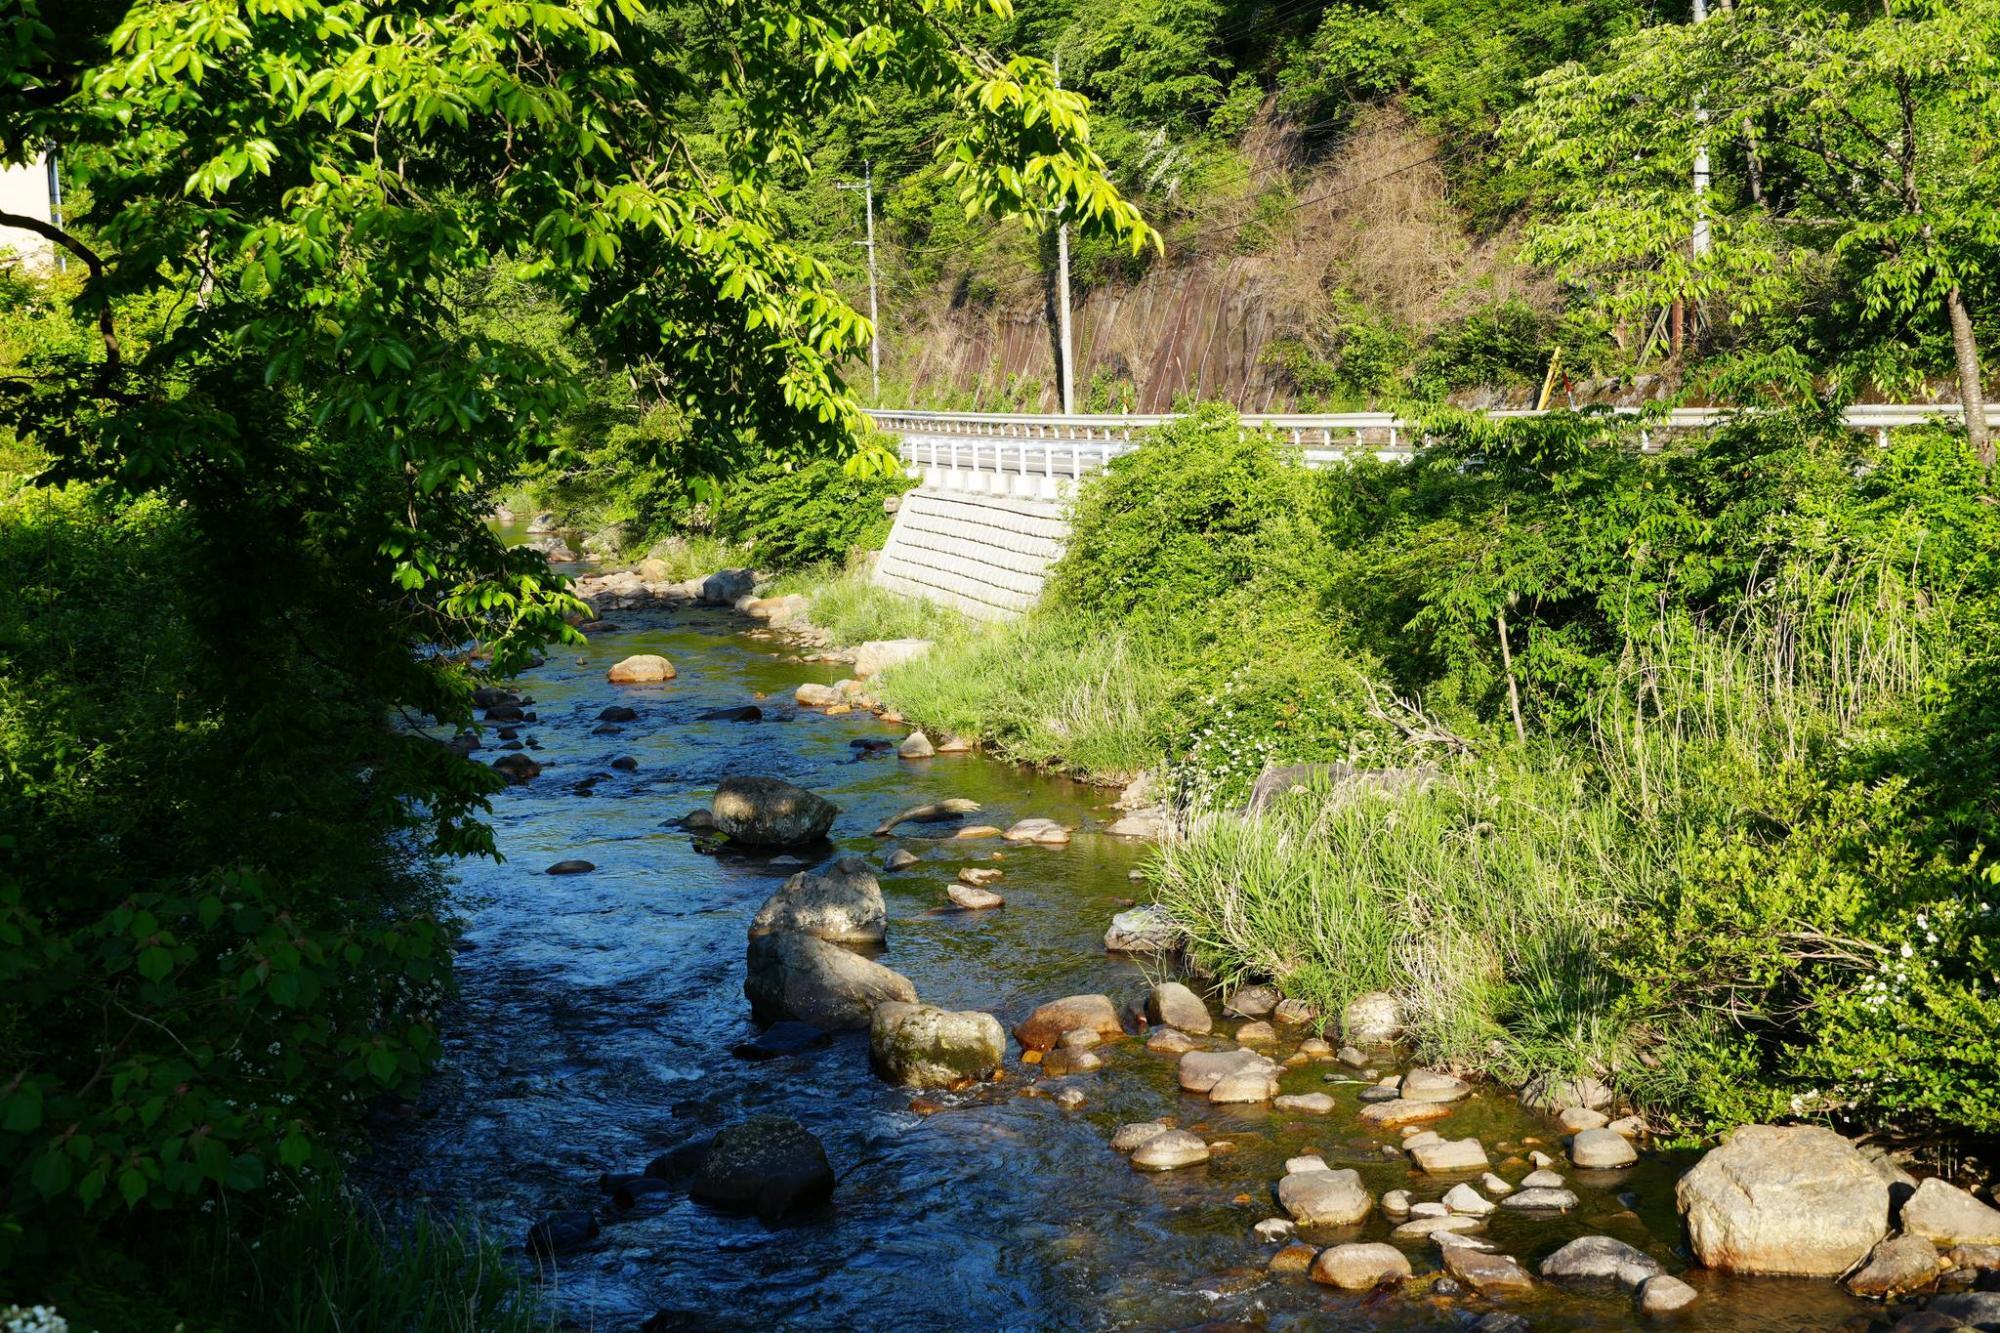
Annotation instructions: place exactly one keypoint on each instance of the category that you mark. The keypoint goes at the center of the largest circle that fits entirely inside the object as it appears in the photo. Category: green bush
(821, 512)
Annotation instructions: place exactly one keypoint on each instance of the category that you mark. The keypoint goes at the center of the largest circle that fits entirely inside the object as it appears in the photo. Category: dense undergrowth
(1695, 768)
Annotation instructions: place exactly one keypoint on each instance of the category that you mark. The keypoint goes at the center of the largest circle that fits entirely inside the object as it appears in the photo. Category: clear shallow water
(598, 1013)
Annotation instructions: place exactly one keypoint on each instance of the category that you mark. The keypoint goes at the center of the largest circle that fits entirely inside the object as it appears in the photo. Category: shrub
(813, 513)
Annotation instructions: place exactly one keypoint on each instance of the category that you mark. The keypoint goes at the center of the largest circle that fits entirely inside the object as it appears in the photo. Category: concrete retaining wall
(984, 554)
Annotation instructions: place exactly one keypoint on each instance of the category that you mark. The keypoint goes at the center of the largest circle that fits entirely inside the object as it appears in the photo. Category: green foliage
(852, 608)
(810, 514)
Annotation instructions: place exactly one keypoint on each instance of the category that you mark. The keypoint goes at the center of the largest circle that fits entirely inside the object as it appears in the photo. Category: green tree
(1854, 145)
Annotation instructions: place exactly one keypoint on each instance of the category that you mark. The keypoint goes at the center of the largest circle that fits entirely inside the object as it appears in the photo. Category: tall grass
(1483, 893)
(1047, 689)
(851, 608)
(694, 555)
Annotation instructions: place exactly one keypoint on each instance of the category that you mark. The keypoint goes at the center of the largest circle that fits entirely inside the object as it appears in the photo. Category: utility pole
(867, 188)
(1068, 367)
(1702, 239)
(55, 205)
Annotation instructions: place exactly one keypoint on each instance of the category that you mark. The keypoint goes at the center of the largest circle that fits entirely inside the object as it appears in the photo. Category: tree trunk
(1970, 391)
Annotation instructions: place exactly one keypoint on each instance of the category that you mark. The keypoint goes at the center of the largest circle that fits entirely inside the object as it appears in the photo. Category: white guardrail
(1052, 448)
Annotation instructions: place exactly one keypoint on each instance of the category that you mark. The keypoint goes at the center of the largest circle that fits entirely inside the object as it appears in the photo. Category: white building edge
(30, 190)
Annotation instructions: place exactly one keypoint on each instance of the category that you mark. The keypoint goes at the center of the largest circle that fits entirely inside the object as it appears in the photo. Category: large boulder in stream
(726, 587)
(1793, 1200)
(843, 904)
(803, 977)
(768, 812)
(921, 1046)
(769, 1165)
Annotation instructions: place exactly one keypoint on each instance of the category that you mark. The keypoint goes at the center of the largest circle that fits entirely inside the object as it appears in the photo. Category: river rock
(780, 1039)
(1896, 1267)
(1176, 1006)
(517, 768)
(1495, 1185)
(972, 898)
(1165, 1152)
(1576, 1119)
(1600, 1259)
(1796, 1200)
(1246, 1086)
(916, 745)
(571, 868)
(974, 831)
(767, 812)
(642, 669)
(1540, 1199)
(1296, 1257)
(1429, 1228)
(1171, 1041)
(1251, 1002)
(778, 612)
(1485, 1272)
(1305, 1162)
(921, 1046)
(734, 713)
(1309, 1103)
(1549, 1094)
(618, 713)
(1449, 1156)
(1273, 1229)
(1973, 1309)
(1045, 831)
(1129, 1137)
(980, 876)
(811, 695)
(803, 977)
(1398, 1111)
(1602, 1149)
(932, 812)
(727, 587)
(1360, 1267)
(878, 655)
(1664, 1295)
(1257, 1034)
(559, 1233)
(1042, 1029)
(1144, 929)
(1324, 1198)
(843, 905)
(1428, 1085)
(1153, 824)
(1200, 1071)
(1462, 1198)
(769, 1165)
(1372, 1019)
(1944, 1214)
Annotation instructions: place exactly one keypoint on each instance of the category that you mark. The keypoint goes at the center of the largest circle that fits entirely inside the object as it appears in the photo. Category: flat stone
(1575, 1119)
(1896, 1267)
(1245, 1086)
(1310, 1103)
(1486, 1273)
(1542, 1180)
(1665, 1294)
(980, 876)
(971, 899)
(1944, 1214)
(1399, 1111)
(1462, 1198)
(1360, 1267)
(1274, 1228)
(1257, 1034)
(812, 695)
(1043, 1028)
(1423, 1228)
(1171, 1041)
(1200, 1071)
(1449, 1156)
(1351, 1057)
(1794, 1200)
(974, 832)
(1376, 1093)
(1414, 1138)
(1601, 1149)
(1169, 1151)
(1309, 1162)
(1045, 831)
(1325, 1198)
(1541, 1199)
(1428, 1085)
(1429, 1210)
(1129, 1137)
(571, 868)
(1600, 1259)
(1315, 1048)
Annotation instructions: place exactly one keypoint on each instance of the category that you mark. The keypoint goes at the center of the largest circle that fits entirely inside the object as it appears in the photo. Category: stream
(599, 1011)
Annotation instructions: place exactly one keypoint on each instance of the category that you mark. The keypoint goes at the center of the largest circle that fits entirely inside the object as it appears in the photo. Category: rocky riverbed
(999, 1146)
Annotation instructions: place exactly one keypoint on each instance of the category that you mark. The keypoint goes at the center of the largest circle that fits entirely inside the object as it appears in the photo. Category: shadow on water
(599, 1012)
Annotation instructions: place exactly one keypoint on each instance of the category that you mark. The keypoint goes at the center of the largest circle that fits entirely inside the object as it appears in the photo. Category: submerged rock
(901, 859)
(571, 868)
(1665, 1294)
(972, 898)
(1485, 1272)
(1145, 929)
(843, 905)
(517, 768)
(769, 1165)
(789, 1037)
(559, 1233)
(768, 812)
(1600, 1259)
(920, 1046)
(1796, 1200)
(803, 977)
(1129, 1137)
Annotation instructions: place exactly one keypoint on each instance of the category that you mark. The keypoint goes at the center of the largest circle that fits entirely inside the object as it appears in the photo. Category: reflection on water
(599, 1011)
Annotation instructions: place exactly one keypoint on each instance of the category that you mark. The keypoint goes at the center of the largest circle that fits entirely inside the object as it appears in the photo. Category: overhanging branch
(92, 261)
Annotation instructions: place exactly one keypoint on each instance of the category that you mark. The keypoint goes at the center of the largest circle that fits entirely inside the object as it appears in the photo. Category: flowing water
(599, 1012)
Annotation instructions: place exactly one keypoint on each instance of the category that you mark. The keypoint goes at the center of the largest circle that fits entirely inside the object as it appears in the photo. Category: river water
(598, 1014)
